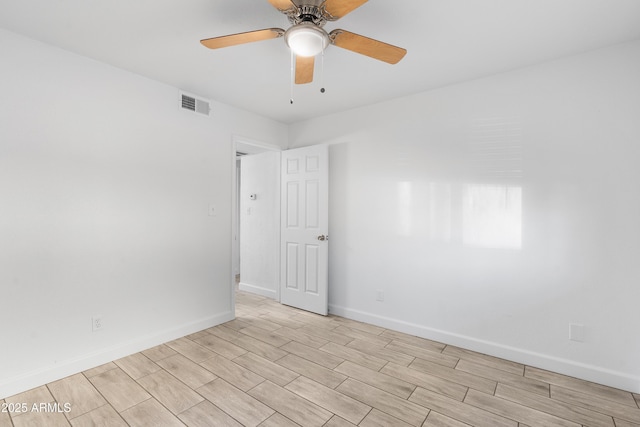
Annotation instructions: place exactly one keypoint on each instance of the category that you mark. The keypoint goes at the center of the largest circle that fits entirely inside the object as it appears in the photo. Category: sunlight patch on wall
(405, 199)
(440, 212)
(492, 216)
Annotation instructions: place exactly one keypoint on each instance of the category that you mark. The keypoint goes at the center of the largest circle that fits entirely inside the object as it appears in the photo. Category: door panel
(312, 204)
(305, 197)
(292, 266)
(311, 267)
(293, 211)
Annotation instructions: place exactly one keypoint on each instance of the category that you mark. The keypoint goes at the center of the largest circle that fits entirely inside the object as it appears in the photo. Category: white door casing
(304, 228)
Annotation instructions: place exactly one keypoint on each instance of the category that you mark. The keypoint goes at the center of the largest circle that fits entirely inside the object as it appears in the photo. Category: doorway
(256, 217)
(280, 247)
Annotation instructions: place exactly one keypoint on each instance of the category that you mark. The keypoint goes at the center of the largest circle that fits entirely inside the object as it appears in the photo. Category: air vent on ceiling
(191, 103)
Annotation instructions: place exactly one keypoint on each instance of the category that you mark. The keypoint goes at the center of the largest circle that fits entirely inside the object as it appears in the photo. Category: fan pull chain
(322, 73)
(292, 76)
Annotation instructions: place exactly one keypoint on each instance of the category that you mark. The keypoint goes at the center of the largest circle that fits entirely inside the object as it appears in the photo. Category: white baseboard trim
(568, 367)
(269, 293)
(47, 374)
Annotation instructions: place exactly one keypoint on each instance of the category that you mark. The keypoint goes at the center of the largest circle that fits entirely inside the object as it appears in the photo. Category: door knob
(323, 237)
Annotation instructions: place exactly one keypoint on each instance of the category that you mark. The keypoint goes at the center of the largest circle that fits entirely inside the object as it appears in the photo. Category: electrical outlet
(576, 332)
(212, 210)
(380, 295)
(96, 323)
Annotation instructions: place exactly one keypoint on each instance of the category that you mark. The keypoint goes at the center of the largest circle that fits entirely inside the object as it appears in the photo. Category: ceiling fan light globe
(306, 39)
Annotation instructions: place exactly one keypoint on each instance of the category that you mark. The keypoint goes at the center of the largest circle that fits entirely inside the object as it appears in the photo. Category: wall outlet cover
(96, 323)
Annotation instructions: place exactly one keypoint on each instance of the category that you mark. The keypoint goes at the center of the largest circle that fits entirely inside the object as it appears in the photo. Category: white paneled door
(305, 224)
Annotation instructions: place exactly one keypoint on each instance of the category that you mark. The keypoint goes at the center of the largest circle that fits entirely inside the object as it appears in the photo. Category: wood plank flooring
(278, 366)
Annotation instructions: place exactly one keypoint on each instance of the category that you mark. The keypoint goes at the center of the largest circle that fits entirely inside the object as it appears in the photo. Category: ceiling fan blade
(304, 69)
(366, 46)
(282, 5)
(339, 8)
(240, 38)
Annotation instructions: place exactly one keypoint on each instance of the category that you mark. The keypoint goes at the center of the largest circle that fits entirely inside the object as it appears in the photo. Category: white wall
(259, 224)
(105, 187)
(549, 151)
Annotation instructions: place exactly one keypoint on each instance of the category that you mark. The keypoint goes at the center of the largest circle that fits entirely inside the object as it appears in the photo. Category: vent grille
(188, 103)
(196, 105)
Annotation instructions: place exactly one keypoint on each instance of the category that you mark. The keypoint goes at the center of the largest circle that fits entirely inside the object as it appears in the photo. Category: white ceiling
(448, 41)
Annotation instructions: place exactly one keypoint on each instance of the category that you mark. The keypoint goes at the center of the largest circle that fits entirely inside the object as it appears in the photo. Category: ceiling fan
(306, 38)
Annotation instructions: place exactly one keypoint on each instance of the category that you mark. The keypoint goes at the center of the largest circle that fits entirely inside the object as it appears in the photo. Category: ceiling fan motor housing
(310, 14)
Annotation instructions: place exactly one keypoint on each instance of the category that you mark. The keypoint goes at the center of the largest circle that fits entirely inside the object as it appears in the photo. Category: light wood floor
(278, 366)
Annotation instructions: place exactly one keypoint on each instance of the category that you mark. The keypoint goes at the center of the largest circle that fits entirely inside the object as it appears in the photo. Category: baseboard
(568, 367)
(259, 290)
(47, 374)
